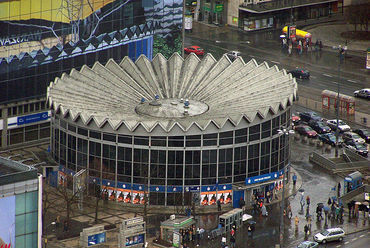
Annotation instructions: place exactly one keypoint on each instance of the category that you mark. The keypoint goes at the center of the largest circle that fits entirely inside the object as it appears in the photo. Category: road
(323, 66)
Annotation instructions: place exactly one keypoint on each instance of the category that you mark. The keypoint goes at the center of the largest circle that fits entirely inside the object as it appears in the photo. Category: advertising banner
(134, 240)
(7, 217)
(123, 195)
(225, 196)
(96, 239)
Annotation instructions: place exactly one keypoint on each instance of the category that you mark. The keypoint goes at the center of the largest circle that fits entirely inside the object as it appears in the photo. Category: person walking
(296, 222)
(306, 231)
(232, 241)
(219, 205)
(308, 201)
(294, 179)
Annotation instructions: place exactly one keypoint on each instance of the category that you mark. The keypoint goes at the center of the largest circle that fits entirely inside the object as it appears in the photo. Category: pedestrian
(294, 179)
(57, 221)
(296, 221)
(249, 231)
(329, 201)
(308, 201)
(305, 231)
(268, 196)
(242, 203)
(339, 187)
(232, 241)
(309, 219)
(219, 205)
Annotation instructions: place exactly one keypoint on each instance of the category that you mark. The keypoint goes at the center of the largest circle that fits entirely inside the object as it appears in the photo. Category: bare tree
(47, 204)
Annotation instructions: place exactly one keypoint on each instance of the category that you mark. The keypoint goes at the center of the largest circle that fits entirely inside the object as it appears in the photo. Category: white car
(233, 55)
(364, 93)
(342, 126)
(330, 234)
(353, 136)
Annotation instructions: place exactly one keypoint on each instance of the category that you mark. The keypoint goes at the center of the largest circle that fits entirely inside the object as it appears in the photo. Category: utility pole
(341, 54)
(183, 28)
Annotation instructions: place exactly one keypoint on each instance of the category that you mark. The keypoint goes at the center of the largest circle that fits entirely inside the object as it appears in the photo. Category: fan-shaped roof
(172, 92)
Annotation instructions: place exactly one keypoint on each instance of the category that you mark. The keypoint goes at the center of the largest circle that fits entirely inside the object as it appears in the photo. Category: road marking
(354, 239)
(352, 81)
(346, 243)
(312, 76)
(327, 75)
(275, 62)
(338, 246)
(362, 235)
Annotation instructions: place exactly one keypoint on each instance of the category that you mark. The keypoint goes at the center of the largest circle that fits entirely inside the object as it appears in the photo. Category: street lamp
(46, 234)
(286, 132)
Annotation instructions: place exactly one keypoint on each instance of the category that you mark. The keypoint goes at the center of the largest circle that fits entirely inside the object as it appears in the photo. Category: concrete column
(4, 114)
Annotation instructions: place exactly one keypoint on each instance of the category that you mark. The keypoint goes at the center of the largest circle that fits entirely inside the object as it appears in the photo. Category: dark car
(357, 147)
(300, 73)
(310, 115)
(194, 49)
(306, 131)
(330, 138)
(319, 127)
(364, 133)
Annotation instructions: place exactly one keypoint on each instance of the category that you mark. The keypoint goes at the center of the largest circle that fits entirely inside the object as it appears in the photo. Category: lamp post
(286, 132)
(341, 57)
(46, 236)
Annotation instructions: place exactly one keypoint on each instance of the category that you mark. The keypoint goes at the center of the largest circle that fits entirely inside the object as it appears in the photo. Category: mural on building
(56, 36)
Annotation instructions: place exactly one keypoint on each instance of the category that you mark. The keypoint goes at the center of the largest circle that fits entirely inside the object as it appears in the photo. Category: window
(193, 141)
(141, 140)
(109, 137)
(210, 139)
(241, 135)
(158, 141)
(254, 132)
(266, 129)
(176, 141)
(95, 135)
(226, 138)
(124, 139)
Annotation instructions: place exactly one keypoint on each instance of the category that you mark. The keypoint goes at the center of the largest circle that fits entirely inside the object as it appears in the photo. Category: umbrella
(326, 208)
(365, 203)
(282, 36)
(358, 203)
(321, 205)
(301, 190)
(247, 217)
(251, 222)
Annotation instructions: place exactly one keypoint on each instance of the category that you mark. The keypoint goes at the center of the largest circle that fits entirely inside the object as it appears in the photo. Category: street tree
(47, 204)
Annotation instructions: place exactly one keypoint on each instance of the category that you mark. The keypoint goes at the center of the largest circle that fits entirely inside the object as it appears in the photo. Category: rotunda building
(180, 130)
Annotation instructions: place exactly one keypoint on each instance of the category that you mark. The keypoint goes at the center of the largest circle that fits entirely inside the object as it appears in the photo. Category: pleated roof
(113, 93)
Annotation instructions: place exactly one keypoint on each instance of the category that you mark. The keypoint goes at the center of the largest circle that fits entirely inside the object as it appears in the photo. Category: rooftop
(172, 92)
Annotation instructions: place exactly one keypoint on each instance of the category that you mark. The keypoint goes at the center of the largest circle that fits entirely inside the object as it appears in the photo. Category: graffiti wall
(40, 41)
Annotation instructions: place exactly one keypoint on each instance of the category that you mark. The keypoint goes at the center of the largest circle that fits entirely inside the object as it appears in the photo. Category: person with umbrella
(319, 211)
(326, 212)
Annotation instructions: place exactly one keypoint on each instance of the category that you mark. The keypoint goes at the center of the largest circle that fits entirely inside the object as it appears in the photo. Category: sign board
(235, 19)
(262, 178)
(96, 239)
(219, 8)
(368, 59)
(367, 197)
(176, 239)
(135, 240)
(188, 22)
(17, 121)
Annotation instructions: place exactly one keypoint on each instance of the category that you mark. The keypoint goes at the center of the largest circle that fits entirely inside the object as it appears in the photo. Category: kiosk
(226, 220)
(172, 228)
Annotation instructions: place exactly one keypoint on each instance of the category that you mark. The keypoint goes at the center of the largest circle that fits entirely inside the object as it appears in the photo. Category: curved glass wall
(180, 162)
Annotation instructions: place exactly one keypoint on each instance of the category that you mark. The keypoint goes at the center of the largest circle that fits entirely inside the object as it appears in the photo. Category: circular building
(182, 130)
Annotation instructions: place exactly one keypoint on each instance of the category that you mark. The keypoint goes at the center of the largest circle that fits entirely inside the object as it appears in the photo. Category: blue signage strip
(207, 188)
(96, 239)
(263, 178)
(157, 188)
(21, 120)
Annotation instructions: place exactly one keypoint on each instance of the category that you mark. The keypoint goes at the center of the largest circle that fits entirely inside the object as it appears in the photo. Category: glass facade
(168, 164)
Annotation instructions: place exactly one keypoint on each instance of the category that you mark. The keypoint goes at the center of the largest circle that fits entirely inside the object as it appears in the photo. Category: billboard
(7, 217)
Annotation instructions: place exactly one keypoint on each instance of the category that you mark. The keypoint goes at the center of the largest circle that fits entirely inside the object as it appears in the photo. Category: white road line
(362, 235)
(327, 75)
(338, 246)
(275, 62)
(312, 77)
(352, 81)
(354, 239)
(346, 243)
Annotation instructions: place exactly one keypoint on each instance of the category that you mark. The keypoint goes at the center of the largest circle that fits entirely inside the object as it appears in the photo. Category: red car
(306, 131)
(194, 49)
(296, 119)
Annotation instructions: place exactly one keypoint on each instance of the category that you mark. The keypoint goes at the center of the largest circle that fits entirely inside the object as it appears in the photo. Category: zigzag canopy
(231, 90)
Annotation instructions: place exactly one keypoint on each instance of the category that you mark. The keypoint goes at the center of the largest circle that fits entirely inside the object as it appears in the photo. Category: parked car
(309, 115)
(233, 55)
(342, 126)
(296, 119)
(353, 136)
(364, 133)
(330, 138)
(194, 49)
(306, 131)
(319, 126)
(364, 93)
(308, 244)
(330, 234)
(300, 73)
(357, 147)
